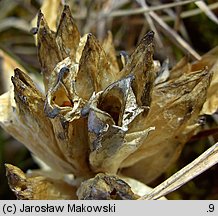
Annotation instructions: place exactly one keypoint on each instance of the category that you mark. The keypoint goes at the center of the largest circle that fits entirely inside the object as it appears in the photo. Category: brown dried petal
(120, 102)
(183, 101)
(105, 187)
(38, 187)
(98, 121)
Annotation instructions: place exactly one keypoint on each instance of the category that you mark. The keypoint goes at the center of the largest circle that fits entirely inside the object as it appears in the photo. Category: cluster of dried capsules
(107, 126)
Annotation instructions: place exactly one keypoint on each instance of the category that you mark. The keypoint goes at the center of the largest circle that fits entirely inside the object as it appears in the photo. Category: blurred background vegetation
(190, 29)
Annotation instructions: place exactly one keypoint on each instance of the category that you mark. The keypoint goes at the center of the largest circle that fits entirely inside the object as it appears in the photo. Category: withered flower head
(96, 121)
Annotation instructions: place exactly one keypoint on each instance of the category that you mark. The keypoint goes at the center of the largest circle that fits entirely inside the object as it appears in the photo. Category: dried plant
(105, 126)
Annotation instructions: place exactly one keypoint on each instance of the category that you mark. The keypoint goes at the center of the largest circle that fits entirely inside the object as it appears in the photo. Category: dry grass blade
(195, 168)
(118, 13)
(7, 65)
(151, 24)
(51, 10)
(190, 13)
(147, 10)
(28, 187)
(12, 22)
(117, 4)
(179, 41)
(207, 11)
(6, 7)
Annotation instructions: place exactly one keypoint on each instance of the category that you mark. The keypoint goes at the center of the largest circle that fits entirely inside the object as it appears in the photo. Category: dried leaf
(26, 187)
(211, 104)
(7, 65)
(75, 150)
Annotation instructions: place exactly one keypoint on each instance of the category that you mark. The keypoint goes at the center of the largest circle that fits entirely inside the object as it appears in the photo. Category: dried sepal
(28, 187)
(67, 35)
(119, 101)
(109, 49)
(48, 50)
(93, 70)
(105, 187)
(211, 104)
(56, 46)
(182, 67)
(29, 124)
(140, 65)
(210, 61)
